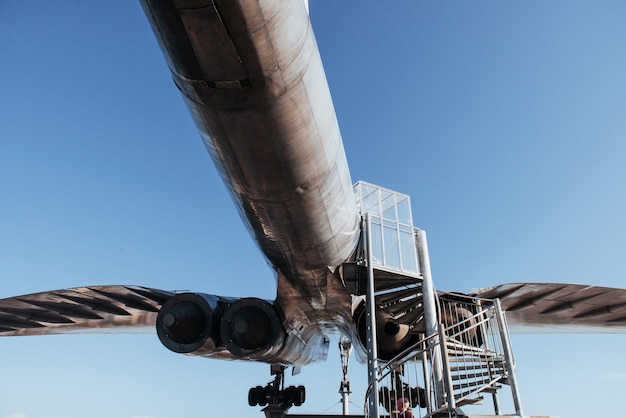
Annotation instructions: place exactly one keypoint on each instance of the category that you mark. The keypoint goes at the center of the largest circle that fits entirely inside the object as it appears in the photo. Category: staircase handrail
(484, 313)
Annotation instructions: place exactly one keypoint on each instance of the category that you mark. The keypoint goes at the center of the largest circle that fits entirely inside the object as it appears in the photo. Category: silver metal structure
(508, 355)
(371, 335)
(430, 312)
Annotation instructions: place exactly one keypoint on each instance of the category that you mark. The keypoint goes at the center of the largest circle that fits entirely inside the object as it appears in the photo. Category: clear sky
(505, 122)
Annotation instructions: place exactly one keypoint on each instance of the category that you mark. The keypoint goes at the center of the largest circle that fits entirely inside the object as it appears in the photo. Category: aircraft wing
(91, 309)
(558, 307)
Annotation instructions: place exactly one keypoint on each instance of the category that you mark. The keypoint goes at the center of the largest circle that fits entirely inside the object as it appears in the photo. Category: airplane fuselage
(252, 78)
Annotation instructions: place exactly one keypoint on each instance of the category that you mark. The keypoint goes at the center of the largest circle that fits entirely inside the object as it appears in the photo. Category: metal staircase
(467, 359)
(458, 346)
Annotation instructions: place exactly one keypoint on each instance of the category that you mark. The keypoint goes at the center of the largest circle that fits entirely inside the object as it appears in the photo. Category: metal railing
(474, 358)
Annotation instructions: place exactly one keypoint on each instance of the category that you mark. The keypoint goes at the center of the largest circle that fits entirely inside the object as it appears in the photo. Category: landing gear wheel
(252, 396)
(299, 395)
(287, 396)
(265, 395)
(256, 396)
(273, 395)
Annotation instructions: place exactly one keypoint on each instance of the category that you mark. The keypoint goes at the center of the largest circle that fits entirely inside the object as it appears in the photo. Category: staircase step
(457, 346)
(476, 356)
(388, 283)
(476, 359)
(470, 386)
(399, 308)
(477, 366)
(402, 293)
(470, 401)
(472, 375)
(493, 388)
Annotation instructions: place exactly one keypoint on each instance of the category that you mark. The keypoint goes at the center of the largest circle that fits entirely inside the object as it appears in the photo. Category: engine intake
(189, 321)
(251, 329)
(392, 337)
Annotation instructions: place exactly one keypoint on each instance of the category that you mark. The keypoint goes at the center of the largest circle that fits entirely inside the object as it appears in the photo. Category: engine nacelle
(392, 337)
(251, 329)
(189, 322)
(236, 329)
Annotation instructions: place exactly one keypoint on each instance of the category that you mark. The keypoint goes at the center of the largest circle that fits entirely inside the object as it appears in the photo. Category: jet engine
(251, 329)
(214, 326)
(392, 336)
(189, 323)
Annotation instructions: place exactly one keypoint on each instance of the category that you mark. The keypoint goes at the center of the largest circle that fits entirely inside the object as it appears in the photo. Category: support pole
(446, 368)
(484, 329)
(427, 388)
(430, 319)
(508, 354)
(372, 350)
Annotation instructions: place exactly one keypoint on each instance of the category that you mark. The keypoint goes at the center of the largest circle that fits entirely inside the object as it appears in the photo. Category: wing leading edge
(91, 309)
(559, 307)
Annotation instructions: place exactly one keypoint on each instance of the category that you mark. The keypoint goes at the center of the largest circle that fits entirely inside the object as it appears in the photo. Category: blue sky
(505, 122)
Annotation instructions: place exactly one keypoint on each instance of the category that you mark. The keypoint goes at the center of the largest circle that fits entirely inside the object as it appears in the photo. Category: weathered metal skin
(252, 78)
(251, 75)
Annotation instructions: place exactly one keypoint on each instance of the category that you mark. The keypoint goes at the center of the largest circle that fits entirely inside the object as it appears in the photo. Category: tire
(288, 396)
(253, 396)
(299, 395)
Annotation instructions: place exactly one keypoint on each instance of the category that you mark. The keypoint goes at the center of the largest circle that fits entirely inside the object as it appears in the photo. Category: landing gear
(291, 396)
(295, 395)
(276, 395)
(259, 396)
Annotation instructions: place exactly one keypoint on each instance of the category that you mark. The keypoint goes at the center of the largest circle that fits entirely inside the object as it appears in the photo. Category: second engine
(214, 326)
